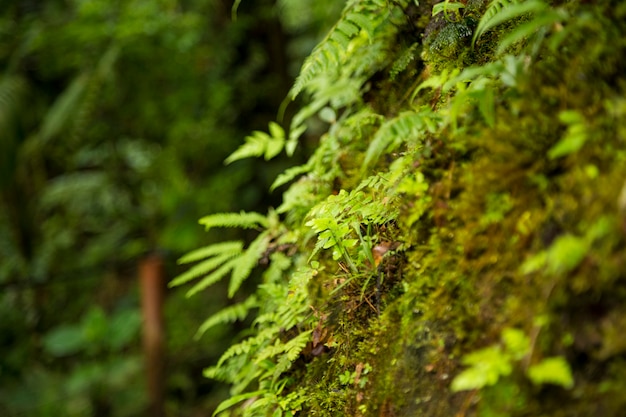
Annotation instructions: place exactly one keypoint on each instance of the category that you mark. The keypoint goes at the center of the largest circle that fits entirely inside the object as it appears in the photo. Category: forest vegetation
(406, 208)
(454, 245)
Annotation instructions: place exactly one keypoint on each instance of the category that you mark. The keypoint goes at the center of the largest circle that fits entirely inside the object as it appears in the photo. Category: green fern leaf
(289, 175)
(501, 11)
(213, 277)
(244, 220)
(260, 143)
(64, 108)
(230, 314)
(203, 268)
(403, 128)
(226, 404)
(247, 262)
(545, 19)
(211, 250)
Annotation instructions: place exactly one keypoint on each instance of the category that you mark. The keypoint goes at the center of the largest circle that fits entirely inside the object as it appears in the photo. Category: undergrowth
(455, 244)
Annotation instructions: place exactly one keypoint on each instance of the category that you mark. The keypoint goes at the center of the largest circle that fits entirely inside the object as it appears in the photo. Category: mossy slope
(456, 244)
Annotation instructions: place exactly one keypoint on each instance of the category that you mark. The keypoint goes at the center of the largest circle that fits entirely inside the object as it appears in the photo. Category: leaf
(446, 6)
(215, 249)
(229, 314)
(527, 29)
(213, 277)
(516, 342)
(487, 366)
(289, 175)
(244, 220)
(247, 262)
(566, 253)
(64, 340)
(236, 399)
(575, 137)
(260, 143)
(64, 108)
(554, 370)
(203, 268)
(495, 15)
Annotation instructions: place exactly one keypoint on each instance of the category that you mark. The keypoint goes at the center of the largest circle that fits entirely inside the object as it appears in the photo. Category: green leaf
(446, 6)
(244, 220)
(527, 29)
(500, 15)
(64, 108)
(215, 249)
(203, 268)
(487, 366)
(64, 340)
(236, 399)
(554, 370)
(247, 262)
(213, 277)
(566, 253)
(229, 314)
(516, 342)
(575, 137)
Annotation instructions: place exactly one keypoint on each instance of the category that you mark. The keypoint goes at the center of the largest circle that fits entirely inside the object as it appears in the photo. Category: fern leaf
(501, 11)
(295, 346)
(202, 268)
(393, 133)
(244, 220)
(64, 108)
(260, 143)
(213, 277)
(247, 262)
(525, 30)
(331, 51)
(226, 315)
(211, 250)
(289, 175)
(226, 404)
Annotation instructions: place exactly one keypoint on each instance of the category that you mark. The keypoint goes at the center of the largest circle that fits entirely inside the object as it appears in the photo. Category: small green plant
(487, 366)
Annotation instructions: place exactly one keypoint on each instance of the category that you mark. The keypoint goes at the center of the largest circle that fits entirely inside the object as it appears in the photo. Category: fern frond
(247, 262)
(500, 11)
(260, 143)
(64, 108)
(289, 174)
(226, 404)
(211, 250)
(403, 61)
(244, 220)
(213, 277)
(245, 346)
(541, 20)
(230, 314)
(331, 51)
(394, 132)
(203, 268)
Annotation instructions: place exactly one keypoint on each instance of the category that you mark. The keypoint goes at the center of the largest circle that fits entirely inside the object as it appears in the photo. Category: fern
(215, 249)
(332, 51)
(394, 132)
(242, 220)
(261, 144)
(500, 11)
(247, 261)
(208, 265)
(230, 314)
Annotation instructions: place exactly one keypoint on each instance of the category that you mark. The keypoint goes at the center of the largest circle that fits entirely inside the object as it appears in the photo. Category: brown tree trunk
(151, 283)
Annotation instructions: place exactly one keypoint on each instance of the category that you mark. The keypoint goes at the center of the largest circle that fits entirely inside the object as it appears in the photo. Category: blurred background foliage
(115, 119)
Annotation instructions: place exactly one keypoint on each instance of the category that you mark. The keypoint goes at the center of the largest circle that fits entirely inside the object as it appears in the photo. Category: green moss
(470, 223)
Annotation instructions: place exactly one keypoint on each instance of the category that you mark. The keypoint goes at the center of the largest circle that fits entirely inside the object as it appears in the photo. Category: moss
(503, 202)
(499, 232)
